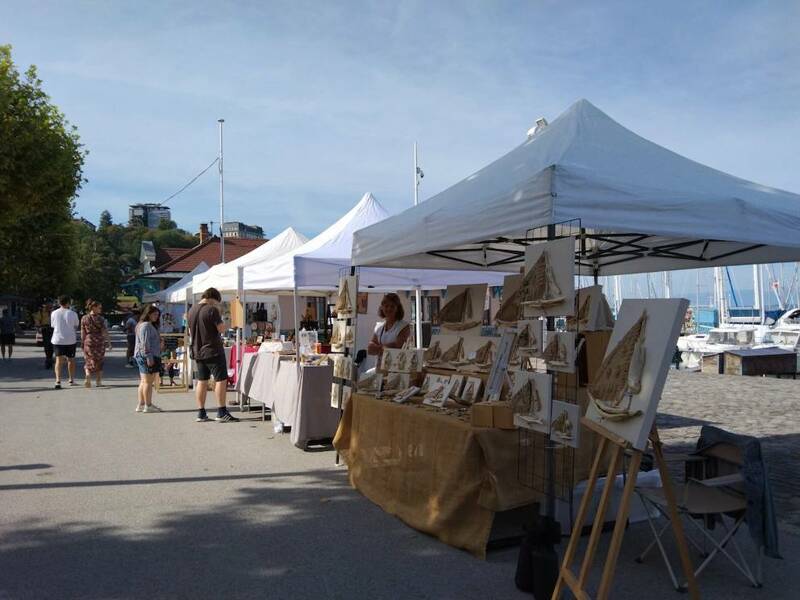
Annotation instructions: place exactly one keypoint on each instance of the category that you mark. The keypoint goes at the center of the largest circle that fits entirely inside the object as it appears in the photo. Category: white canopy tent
(642, 207)
(225, 276)
(316, 265)
(176, 293)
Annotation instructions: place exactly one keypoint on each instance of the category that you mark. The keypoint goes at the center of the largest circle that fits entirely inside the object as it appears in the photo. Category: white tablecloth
(298, 398)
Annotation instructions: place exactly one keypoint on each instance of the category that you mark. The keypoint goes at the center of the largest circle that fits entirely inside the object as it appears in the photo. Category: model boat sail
(454, 353)
(620, 375)
(336, 335)
(539, 288)
(343, 305)
(526, 400)
(527, 344)
(348, 337)
(483, 355)
(555, 352)
(433, 353)
(458, 313)
(562, 426)
(605, 318)
(508, 313)
(583, 303)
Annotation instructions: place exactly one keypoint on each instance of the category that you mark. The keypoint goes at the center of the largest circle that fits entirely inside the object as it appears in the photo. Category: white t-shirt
(389, 336)
(64, 323)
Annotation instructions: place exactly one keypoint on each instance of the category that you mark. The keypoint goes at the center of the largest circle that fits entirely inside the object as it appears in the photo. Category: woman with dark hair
(147, 355)
(94, 340)
(393, 331)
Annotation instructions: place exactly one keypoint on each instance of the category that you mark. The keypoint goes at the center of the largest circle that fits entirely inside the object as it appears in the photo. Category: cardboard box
(482, 415)
(502, 415)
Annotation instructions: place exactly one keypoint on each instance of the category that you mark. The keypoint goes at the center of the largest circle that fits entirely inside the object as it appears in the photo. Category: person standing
(95, 340)
(64, 322)
(393, 331)
(41, 319)
(130, 334)
(7, 334)
(205, 327)
(147, 354)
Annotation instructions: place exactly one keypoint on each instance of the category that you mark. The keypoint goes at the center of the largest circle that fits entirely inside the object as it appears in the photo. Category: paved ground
(97, 501)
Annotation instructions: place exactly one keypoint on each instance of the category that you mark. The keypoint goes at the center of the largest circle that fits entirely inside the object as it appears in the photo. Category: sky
(323, 101)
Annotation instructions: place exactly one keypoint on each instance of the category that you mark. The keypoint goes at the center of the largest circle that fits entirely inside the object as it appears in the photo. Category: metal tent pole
(417, 293)
(221, 197)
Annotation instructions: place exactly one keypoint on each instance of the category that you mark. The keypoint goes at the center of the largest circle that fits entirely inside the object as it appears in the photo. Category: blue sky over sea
(323, 100)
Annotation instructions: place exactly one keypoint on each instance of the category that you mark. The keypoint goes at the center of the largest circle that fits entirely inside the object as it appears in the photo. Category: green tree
(105, 219)
(41, 171)
(98, 275)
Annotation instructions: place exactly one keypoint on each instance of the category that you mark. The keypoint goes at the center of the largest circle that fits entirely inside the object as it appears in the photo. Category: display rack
(347, 349)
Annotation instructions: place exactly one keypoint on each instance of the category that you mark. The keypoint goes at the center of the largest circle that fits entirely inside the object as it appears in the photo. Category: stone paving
(764, 407)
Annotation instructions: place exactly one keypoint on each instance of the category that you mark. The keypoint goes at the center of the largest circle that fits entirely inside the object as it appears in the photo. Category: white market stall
(632, 206)
(314, 269)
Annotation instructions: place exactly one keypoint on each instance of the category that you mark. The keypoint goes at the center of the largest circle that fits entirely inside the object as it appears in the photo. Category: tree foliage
(41, 171)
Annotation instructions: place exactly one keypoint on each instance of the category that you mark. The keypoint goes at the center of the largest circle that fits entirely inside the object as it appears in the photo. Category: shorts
(141, 362)
(7, 339)
(212, 367)
(67, 350)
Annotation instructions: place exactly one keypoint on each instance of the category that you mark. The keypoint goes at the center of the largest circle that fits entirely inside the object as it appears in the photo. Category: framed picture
(565, 426)
(338, 333)
(345, 306)
(472, 390)
(559, 351)
(531, 396)
(528, 342)
(462, 312)
(431, 380)
(439, 393)
(362, 300)
(548, 284)
(624, 396)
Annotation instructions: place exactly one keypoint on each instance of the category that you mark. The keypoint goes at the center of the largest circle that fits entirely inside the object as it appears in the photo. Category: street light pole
(221, 197)
(417, 293)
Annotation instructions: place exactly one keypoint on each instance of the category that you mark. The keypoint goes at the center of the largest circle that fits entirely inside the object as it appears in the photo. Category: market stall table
(435, 471)
(297, 398)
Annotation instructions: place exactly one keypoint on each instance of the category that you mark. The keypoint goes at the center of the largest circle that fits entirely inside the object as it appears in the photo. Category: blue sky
(323, 100)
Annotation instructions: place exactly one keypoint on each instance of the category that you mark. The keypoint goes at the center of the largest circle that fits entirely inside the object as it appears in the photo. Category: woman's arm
(374, 347)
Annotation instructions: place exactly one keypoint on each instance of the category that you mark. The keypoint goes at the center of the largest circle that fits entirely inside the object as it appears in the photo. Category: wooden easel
(618, 446)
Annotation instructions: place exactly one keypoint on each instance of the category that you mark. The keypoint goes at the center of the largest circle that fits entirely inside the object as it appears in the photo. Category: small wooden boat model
(343, 305)
(509, 311)
(336, 335)
(433, 353)
(348, 337)
(453, 354)
(620, 375)
(539, 289)
(457, 314)
(555, 353)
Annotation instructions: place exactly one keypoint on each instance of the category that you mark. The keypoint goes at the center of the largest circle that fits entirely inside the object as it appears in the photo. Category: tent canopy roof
(176, 293)
(642, 207)
(317, 264)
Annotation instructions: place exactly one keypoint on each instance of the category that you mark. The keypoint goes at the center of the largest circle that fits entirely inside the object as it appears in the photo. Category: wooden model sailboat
(413, 364)
(336, 335)
(527, 343)
(343, 305)
(432, 353)
(562, 426)
(555, 353)
(583, 303)
(348, 337)
(457, 314)
(521, 399)
(508, 313)
(605, 318)
(620, 375)
(388, 363)
(368, 383)
(539, 289)
(453, 354)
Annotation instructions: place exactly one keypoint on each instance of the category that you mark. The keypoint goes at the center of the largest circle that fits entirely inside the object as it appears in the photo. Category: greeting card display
(369, 383)
(431, 380)
(395, 382)
(458, 385)
(338, 335)
(531, 396)
(438, 394)
(346, 298)
(472, 390)
(559, 351)
(624, 396)
(548, 284)
(565, 427)
(463, 309)
(402, 360)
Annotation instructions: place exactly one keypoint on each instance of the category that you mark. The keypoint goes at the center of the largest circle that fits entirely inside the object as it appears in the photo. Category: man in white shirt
(64, 322)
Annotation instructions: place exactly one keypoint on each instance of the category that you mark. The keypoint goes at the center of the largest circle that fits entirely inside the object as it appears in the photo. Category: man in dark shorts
(7, 333)
(205, 327)
(64, 322)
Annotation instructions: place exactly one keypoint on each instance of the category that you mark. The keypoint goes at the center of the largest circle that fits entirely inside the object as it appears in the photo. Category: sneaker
(227, 418)
(72, 382)
(130, 366)
(139, 408)
(202, 417)
(151, 409)
(58, 385)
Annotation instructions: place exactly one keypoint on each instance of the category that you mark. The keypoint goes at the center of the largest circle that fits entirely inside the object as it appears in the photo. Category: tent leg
(418, 305)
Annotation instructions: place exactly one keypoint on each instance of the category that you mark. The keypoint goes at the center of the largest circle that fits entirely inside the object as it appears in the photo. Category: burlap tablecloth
(436, 472)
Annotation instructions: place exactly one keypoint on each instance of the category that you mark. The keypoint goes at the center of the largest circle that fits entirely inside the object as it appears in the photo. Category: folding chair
(706, 501)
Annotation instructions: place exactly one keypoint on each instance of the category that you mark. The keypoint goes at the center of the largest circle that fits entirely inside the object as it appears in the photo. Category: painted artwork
(362, 301)
(345, 306)
(438, 393)
(458, 384)
(462, 311)
(472, 390)
(431, 380)
(624, 396)
(548, 284)
(565, 426)
(338, 335)
(530, 397)
(559, 351)
(591, 311)
(528, 343)
(509, 312)
(395, 382)
(402, 360)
